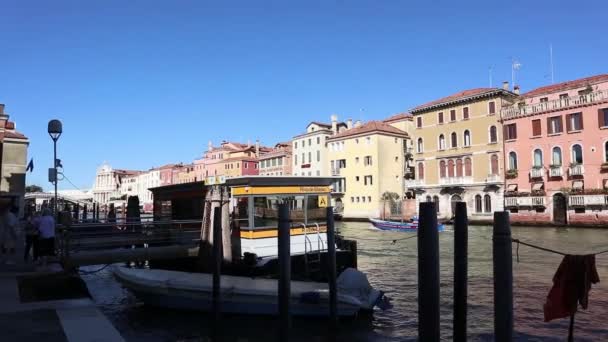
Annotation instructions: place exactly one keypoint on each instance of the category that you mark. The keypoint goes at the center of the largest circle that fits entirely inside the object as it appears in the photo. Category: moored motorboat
(245, 295)
(400, 226)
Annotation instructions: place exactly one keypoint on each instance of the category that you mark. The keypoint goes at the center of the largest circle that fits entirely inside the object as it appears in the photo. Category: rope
(92, 272)
(545, 249)
(393, 241)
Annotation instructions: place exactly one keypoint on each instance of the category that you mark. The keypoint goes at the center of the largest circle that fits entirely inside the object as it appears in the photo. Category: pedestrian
(46, 229)
(31, 237)
(8, 232)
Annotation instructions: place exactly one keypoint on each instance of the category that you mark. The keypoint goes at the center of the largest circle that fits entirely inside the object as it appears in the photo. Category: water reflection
(392, 267)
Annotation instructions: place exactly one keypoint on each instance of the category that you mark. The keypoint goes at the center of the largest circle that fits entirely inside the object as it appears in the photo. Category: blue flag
(30, 166)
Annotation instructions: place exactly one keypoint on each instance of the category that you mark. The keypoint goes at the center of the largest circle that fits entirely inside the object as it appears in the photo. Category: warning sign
(322, 201)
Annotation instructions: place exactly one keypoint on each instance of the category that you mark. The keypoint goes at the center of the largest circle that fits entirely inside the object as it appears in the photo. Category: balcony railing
(536, 173)
(511, 201)
(456, 180)
(493, 179)
(412, 183)
(556, 171)
(577, 170)
(531, 201)
(335, 172)
(587, 200)
(516, 110)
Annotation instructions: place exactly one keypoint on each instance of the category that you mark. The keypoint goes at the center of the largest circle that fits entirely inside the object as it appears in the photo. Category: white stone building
(108, 182)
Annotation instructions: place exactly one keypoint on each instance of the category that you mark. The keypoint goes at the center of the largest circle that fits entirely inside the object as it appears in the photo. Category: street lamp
(54, 129)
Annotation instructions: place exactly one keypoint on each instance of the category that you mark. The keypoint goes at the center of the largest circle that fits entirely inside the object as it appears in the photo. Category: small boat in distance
(411, 226)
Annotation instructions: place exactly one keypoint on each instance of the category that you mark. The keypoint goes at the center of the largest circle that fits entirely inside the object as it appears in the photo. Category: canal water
(392, 267)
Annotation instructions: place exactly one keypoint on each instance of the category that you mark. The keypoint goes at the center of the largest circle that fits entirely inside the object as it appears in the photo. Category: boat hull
(399, 226)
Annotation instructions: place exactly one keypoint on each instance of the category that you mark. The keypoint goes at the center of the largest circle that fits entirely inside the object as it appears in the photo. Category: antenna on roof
(551, 62)
(515, 65)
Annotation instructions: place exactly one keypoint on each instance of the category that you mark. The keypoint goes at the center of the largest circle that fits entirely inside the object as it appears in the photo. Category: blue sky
(143, 83)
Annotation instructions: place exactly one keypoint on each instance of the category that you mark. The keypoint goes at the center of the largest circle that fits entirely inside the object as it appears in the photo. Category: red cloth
(571, 285)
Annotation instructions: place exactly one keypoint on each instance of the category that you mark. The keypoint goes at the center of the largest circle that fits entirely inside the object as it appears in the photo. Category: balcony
(493, 179)
(577, 170)
(335, 172)
(587, 200)
(516, 111)
(510, 201)
(556, 171)
(414, 183)
(456, 181)
(536, 173)
(529, 201)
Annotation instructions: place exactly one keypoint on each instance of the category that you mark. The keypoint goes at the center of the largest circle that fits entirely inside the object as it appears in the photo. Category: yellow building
(370, 159)
(457, 151)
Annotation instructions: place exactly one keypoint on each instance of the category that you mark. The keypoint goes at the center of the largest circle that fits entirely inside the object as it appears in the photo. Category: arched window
(468, 168)
(454, 139)
(450, 168)
(459, 170)
(494, 164)
(436, 201)
(538, 158)
(429, 199)
(441, 142)
(512, 160)
(487, 204)
(577, 154)
(420, 146)
(442, 169)
(420, 171)
(493, 136)
(467, 138)
(556, 156)
(478, 207)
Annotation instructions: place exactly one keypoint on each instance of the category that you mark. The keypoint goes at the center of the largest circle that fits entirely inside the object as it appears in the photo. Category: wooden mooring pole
(284, 272)
(503, 278)
(217, 266)
(428, 274)
(331, 269)
(461, 247)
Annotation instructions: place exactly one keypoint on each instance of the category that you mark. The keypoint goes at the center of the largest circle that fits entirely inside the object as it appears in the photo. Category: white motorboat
(244, 295)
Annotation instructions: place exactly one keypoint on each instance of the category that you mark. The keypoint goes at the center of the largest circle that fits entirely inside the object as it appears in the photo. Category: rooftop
(553, 88)
(464, 95)
(369, 127)
(399, 117)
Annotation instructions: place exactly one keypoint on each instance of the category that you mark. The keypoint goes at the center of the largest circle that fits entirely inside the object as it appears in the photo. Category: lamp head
(55, 129)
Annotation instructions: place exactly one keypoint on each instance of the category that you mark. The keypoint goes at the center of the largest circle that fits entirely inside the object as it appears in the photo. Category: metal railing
(511, 201)
(528, 201)
(555, 171)
(577, 170)
(455, 180)
(411, 183)
(536, 173)
(493, 178)
(517, 110)
(335, 172)
(587, 200)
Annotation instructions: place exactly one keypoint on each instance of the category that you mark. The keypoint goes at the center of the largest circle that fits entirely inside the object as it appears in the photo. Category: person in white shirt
(46, 228)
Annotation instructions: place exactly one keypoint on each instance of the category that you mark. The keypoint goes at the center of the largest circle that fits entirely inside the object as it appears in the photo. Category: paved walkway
(48, 321)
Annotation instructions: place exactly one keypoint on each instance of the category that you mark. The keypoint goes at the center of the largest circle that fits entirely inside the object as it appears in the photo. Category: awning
(512, 187)
(605, 183)
(538, 186)
(577, 184)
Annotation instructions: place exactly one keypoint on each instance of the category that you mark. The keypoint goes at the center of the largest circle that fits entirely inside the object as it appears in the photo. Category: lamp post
(55, 129)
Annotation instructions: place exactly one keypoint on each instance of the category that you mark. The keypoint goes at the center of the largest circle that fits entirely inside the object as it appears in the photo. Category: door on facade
(455, 199)
(559, 209)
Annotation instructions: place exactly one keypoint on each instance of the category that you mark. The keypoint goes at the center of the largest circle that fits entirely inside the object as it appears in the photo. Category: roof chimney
(1, 108)
(505, 85)
(349, 123)
(334, 124)
(357, 123)
(516, 89)
(257, 148)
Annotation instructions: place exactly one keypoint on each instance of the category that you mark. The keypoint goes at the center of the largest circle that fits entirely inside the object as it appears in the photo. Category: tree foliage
(33, 188)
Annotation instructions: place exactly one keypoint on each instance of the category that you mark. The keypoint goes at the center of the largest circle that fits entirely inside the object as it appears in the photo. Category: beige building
(276, 162)
(457, 152)
(370, 158)
(13, 157)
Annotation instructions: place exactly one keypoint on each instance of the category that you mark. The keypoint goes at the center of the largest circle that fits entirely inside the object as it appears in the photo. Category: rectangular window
(574, 122)
(440, 117)
(367, 160)
(295, 144)
(303, 158)
(274, 162)
(367, 180)
(309, 157)
(554, 125)
(563, 96)
(544, 99)
(246, 165)
(295, 159)
(465, 113)
(280, 161)
(492, 107)
(453, 115)
(318, 155)
(318, 140)
(511, 132)
(536, 129)
(309, 142)
(419, 122)
(341, 163)
(602, 117)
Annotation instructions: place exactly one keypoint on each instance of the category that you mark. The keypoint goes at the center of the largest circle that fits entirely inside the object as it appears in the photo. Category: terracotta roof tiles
(553, 88)
(369, 127)
(462, 95)
(398, 117)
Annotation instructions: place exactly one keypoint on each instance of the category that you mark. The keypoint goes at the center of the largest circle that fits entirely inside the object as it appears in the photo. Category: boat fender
(310, 297)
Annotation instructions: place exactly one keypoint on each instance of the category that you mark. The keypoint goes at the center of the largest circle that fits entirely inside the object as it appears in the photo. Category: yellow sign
(322, 201)
(279, 190)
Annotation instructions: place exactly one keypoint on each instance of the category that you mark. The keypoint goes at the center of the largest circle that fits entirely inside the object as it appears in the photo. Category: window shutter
(600, 118)
(568, 122)
(549, 127)
(580, 115)
(561, 124)
(505, 132)
(514, 131)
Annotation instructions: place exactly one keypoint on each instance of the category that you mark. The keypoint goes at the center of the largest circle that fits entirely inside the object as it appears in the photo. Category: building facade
(310, 149)
(108, 182)
(230, 159)
(556, 153)
(277, 162)
(13, 158)
(370, 160)
(458, 152)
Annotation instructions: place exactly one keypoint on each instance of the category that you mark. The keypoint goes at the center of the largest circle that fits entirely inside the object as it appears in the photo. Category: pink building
(168, 173)
(230, 159)
(277, 162)
(556, 153)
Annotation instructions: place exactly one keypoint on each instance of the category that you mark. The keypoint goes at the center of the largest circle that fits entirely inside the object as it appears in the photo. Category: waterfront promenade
(24, 319)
